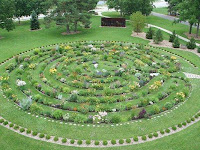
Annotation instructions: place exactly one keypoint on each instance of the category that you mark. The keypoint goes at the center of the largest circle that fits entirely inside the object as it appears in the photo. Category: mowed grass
(22, 39)
(162, 10)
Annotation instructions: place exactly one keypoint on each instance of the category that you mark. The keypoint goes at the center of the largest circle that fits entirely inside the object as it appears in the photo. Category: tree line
(64, 12)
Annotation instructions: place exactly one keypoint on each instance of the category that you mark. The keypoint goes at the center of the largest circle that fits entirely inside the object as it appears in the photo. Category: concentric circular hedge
(95, 82)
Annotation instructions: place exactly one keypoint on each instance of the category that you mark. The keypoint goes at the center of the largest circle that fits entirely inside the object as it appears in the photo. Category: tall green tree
(21, 8)
(70, 13)
(7, 10)
(138, 21)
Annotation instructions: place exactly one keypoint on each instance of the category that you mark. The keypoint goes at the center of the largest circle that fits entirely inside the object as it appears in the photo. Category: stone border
(110, 143)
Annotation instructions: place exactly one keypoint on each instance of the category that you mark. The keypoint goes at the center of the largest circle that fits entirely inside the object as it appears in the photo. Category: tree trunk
(191, 25)
(121, 14)
(68, 29)
(75, 26)
(198, 28)
(19, 21)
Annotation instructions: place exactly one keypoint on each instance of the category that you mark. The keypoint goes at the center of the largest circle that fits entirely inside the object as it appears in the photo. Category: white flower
(20, 83)
(121, 69)
(63, 80)
(103, 114)
(104, 70)
(96, 66)
(94, 49)
(21, 67)
(74, 92)
(114, 110)
(154, 74)
(90, 46)
(154, 63)
(151, 103)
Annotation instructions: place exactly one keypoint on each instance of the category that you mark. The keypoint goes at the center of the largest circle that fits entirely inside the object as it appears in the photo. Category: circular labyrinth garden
(91, 90)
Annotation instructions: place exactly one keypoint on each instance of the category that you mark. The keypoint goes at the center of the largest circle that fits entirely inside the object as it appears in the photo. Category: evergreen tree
(191, 44)
(172, 37)
(158, 37)
(150, 34)
(35, 25)
(176, 43)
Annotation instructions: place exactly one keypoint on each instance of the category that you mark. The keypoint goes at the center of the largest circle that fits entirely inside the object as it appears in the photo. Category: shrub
(184, 123)
(55, 139)
(174, 128)
(79, 142)
(121, 141)
(115, 119)
(1, 120)
(113, 142)
(150, 33)
(144, 138)
(162, 132)
(138, 21)
(191, 44)
(57, 114)
(105, 142)
(198, 50)
(72, 141)
(96, 143)
(176, 43)
(189, 121)
(88, 142)
(64, 140)
(180, 125)
(172, 37)
(11, 125)
(5, 123)
(196, 116)
(28, 131)
(168, 105)
(135, 138)
(142, 113)
(41, 135)
(128, 140)
(158, 37)
(48, 137)
(155, 134)
(193, 119)
(16, 127)
(34, 21)
(34, 108)
(34, 133)
(167, 130)
(150, 136)
(21, 130)
(25, 103)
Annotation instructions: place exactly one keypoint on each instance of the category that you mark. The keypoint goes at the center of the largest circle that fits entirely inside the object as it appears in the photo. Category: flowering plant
(20, 83)
(53, 70)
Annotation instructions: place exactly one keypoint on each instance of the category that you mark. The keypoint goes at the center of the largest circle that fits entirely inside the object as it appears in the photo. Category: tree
(138, 21)
(172, 37)
(69, 13)
(22, 9)
(35, 25)
(191, 44)
(7, 10)
(176, 43)
(150, 33)
(158, 37)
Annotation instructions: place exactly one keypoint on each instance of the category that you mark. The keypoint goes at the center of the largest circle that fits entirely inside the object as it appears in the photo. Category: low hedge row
(105, 142)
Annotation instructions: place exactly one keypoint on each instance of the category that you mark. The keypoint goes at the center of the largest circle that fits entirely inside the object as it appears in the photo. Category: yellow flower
(53, 70)
(173, 58)
(181, 94)
(68, 47)
(32, 66)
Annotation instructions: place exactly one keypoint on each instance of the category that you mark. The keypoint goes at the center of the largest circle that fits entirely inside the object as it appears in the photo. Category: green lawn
(163, 10)
(22, 39)
(166, 24)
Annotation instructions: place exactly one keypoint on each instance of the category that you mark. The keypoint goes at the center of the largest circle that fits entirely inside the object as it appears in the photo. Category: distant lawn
(163, 10)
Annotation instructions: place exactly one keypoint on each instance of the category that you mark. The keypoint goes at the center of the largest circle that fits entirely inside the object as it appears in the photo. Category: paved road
(171, 18)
